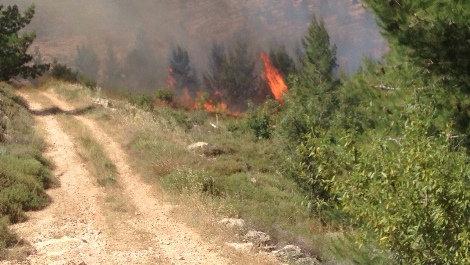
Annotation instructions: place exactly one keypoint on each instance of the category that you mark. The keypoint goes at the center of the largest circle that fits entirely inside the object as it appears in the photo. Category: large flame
(273, 77)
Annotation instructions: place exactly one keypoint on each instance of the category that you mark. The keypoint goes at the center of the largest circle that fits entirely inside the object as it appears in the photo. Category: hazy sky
(196, 24)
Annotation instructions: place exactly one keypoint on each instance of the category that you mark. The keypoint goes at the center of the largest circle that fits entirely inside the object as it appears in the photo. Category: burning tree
(231, 77)
(282, 61)
(274, 78)
(182, 73)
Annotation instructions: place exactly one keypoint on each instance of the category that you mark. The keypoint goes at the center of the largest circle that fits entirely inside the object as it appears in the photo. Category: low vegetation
(24, 172)
(367, 169)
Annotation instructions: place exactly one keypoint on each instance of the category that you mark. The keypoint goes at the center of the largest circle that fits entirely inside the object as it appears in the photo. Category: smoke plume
(141, 35)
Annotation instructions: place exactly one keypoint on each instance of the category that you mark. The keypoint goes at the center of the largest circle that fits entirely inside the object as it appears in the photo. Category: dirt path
(74, 229)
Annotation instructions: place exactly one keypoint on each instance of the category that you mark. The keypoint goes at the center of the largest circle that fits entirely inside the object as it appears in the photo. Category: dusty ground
(75, 228)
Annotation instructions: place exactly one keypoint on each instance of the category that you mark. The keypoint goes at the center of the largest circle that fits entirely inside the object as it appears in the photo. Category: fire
(171, 80)
(273, 77)
(187, 101)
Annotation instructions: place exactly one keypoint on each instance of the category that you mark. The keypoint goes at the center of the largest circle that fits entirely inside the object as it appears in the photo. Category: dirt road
(75, 228)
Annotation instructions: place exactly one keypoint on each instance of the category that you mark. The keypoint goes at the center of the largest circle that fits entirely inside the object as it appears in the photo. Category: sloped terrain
(79, 227)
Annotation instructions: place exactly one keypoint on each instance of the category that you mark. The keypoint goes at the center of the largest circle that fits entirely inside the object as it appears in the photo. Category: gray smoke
(160, 25)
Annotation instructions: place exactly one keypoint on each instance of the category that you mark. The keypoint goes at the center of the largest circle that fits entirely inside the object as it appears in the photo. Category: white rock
(197, 145)
(257, 237)
(241, 246)
(232, 222)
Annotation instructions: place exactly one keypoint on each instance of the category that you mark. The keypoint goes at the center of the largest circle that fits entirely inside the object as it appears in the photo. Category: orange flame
(273, 77)
(171, 80)
(187, 101)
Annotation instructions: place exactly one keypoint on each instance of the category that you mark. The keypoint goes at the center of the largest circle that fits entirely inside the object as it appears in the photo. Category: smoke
(142, 34)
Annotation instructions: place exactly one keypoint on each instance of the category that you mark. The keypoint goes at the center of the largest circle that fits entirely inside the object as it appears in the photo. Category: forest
(383, 152)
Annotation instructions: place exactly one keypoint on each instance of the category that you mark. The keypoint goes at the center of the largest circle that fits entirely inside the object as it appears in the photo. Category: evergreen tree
(282, 61)
(182, 71)
(319, 61)
(14, 61)
(309, 108)
(436, 34)
(231, 76)
(141, 65)
(112, 69)
(87, 62)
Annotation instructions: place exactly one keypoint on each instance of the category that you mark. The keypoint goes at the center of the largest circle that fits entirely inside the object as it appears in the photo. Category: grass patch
(240, 181)
(91, 152)
(24, 172)
(74, 94)
(98, 164)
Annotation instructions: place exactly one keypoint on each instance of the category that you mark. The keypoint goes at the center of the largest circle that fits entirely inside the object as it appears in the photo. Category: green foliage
(14, 61)
(414, 197)
(181, 70)
(164, 95)
(319, 61)
(231, 77)
(7, 238)
(261, 120)
(436, 34)
(63, 72)
(24, 173)
(309, 108)
(142, 101)
(282, 61)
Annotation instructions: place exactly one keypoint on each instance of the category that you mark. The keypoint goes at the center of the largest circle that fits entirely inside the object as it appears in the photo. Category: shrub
(23, 171)
(142, 101)
(414, 197)
(63, 72)
(164, 95)
(261, 119)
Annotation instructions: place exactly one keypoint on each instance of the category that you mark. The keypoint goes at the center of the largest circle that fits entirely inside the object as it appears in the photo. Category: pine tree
(319, 61)
(182, 71)
(14, 61)
(231, 77)
(436, 34)
(309, 108)
(87, 62)
(112, 69)
(282, 61)
(141, 65)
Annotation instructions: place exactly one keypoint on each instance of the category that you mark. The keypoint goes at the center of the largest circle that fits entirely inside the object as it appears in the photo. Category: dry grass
(242, 182)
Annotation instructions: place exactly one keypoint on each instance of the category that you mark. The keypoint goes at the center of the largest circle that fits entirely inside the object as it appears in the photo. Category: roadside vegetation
(24, 172)
(364, 169)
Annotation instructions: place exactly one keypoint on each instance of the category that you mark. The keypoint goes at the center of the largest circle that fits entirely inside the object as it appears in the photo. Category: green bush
(63, 72)
(261, 120)
(24, 172)
(143, 101)
(88, 82)
(164, 95)
(411, 193)
(7, 238)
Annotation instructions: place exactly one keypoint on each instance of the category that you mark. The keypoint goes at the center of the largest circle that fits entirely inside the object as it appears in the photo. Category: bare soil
(77, 228)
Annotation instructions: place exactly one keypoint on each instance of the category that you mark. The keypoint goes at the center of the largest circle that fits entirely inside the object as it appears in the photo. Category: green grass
(244, 181)
(90, 151)
(24, 172)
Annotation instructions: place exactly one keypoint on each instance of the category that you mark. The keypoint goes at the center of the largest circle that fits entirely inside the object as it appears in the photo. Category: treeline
(233, 75)
(386, 150)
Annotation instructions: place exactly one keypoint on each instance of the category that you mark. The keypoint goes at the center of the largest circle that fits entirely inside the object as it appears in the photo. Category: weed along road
(116, 219)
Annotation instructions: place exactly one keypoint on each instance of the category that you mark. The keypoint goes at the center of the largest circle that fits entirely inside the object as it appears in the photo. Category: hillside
(195, 25)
